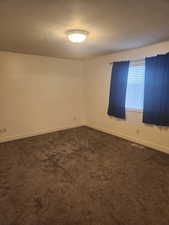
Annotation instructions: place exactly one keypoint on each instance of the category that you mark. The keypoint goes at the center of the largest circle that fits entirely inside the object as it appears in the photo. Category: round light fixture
(77, 36)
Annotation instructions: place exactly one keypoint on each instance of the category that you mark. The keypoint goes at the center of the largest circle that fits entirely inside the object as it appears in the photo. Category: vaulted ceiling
(38, 26)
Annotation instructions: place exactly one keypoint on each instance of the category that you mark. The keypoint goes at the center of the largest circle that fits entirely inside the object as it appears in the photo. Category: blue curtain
(156, 90)
(118, 88)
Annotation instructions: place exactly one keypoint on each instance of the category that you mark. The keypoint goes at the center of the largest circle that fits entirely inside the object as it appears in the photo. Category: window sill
(134, 110)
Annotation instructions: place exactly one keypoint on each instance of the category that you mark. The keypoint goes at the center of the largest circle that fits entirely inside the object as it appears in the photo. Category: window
(135, 86)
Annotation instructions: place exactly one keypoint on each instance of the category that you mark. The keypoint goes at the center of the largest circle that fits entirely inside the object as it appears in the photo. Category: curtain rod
(135, 60)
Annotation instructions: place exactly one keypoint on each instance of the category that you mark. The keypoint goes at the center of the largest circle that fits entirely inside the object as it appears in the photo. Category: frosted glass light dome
(77, 36)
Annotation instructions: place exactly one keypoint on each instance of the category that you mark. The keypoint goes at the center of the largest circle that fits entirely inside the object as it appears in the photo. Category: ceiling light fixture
(77, 36)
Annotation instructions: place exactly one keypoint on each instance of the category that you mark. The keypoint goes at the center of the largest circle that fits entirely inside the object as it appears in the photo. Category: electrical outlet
(137, 131)
(3, 130)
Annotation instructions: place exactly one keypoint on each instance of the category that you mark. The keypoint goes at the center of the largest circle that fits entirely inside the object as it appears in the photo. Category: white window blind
(135, 85)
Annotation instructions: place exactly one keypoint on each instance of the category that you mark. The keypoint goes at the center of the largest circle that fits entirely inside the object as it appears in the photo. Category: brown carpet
(82, 176)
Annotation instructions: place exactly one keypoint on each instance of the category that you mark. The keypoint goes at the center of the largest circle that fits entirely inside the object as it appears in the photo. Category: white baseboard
(130, 138)
(38, 132)
(92, 125)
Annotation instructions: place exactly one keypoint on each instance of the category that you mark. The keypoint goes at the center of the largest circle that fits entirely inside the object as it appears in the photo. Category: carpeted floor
(82, 176)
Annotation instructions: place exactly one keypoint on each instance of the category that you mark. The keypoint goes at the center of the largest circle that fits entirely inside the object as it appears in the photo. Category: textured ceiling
(38, 26)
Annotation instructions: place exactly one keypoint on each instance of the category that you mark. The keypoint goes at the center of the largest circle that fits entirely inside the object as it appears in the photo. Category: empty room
(84, 112)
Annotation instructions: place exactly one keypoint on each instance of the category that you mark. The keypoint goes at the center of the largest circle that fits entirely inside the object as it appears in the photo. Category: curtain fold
(156, 90)
(118, 88)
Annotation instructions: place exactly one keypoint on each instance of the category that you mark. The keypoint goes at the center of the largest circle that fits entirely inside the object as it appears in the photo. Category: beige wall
(43, 94)
(39, 95)
(97, 73)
